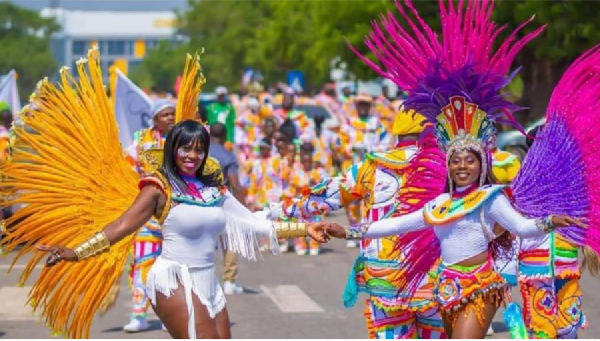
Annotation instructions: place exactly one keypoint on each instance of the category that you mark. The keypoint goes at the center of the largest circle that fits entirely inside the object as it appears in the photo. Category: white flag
(9, 92)
(132, 108)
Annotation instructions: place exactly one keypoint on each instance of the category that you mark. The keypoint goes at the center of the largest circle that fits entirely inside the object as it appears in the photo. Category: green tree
(572, 27)
(227, 31)
(25, 42)
(307, 35)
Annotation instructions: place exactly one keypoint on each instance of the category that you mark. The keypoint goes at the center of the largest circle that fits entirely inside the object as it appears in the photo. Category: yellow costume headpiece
(187, 105)
(408, 122)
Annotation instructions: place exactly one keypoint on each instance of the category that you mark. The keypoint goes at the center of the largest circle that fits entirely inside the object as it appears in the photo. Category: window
(151, 44)
(116, 47)
(133, 64)
(79, 47)
(129, 47)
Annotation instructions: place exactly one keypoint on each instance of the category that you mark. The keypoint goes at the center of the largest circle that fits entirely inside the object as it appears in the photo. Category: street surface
(292, 297)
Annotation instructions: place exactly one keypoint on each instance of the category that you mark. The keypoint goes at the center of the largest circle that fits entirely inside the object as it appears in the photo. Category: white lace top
(467, 236)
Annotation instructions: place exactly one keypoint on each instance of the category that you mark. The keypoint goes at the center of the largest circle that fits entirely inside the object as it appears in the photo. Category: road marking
(291, 299)
(14, 304)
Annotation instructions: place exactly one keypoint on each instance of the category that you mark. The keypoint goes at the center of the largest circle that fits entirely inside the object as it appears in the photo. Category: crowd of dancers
(440, 213)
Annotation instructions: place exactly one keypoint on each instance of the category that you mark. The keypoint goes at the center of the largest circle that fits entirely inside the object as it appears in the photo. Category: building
(124, 37)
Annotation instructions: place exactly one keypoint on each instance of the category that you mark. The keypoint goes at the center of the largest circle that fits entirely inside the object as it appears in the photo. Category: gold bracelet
(97, 244)
(293, 230)
(282, 230)
(301, 231)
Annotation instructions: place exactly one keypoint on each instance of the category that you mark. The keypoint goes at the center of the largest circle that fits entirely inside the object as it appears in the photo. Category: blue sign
(295, 79)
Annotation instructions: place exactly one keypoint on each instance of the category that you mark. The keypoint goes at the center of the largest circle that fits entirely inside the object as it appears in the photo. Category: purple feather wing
(561, 174)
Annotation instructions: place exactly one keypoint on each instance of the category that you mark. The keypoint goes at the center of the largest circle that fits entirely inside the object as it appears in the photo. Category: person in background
(201, 113)
(288, 112)
(257, 189)
(362, 134)
(549, 271)
(280, 171)
(222, 111)
(229, 167)
(269, 128)
(148, 241)
(247, 131)
(307, 173)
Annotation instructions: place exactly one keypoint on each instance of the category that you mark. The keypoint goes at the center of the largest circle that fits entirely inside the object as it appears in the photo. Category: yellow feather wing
(189, 90)
(68, 169)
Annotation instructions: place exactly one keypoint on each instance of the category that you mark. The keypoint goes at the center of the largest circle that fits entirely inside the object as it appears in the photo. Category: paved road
(293, 297)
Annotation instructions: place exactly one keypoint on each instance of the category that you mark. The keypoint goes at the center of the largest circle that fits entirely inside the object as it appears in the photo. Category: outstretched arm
(328, 196)
(502, 212)
(142, 209)
(243, 227)
(414, 221)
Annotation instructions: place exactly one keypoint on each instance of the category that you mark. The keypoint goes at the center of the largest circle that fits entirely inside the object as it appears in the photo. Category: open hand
(317, 232)
(335, 230)
(57, 254)
(559, 221)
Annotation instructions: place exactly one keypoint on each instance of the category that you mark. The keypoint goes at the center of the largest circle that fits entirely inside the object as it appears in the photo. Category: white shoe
(314, 252)
(136, 325)
(284, 247)
(490, 331)
(351, 244)
(164, 329)
(231, 288)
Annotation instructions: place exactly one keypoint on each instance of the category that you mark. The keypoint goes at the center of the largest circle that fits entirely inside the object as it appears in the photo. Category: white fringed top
(191, 230)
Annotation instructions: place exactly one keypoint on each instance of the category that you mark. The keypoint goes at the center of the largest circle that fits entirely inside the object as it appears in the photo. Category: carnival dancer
(456, 84)
(257, 198)
(376, 183)
(361, 135)
(79, 186)
(548, 276)
(384, 107)
(148, 241)
(247, 131)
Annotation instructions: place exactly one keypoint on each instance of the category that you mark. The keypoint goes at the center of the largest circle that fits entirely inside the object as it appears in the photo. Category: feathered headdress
(454, 80)
(190, 88)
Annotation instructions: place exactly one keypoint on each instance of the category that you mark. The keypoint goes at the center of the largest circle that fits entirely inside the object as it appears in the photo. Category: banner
(132, 108)
(9, 92)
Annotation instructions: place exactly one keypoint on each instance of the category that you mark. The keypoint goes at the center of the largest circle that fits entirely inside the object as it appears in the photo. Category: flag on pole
(9, 92)
(132, 107)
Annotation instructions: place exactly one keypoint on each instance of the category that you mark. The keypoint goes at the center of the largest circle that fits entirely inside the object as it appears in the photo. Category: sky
(104, 5)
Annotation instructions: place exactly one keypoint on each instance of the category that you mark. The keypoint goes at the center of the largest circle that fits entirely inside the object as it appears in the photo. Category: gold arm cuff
(301, 230)
(290, 230)
(97, 244)
(293, 229)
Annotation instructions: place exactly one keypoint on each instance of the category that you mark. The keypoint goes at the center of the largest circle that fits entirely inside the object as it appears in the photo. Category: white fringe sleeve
(244, 230)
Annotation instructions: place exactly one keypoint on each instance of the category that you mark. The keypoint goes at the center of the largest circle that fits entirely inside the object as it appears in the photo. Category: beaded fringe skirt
(461, 290)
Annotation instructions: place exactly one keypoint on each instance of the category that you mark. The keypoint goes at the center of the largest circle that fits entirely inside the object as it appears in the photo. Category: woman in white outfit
(197, 212)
